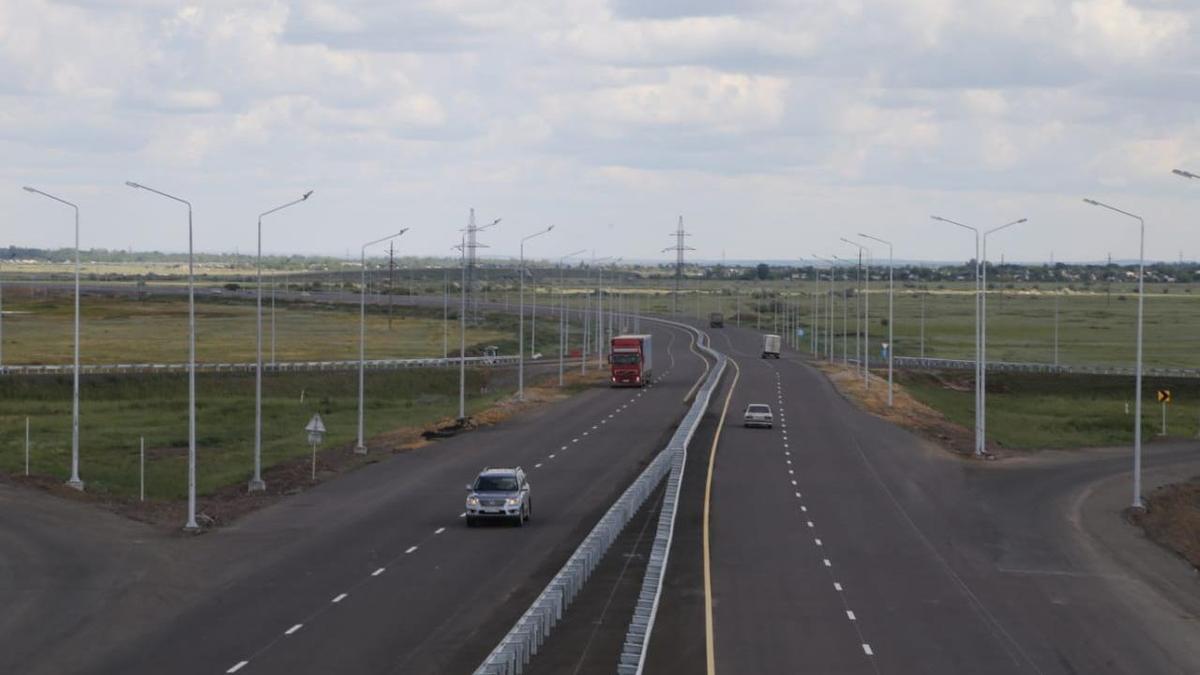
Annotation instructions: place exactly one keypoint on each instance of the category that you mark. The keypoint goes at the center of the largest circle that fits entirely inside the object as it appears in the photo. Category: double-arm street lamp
(74, 480)
(361, 447)
(191, 515)
(1137, 393)
(521, 317)
(256, 482)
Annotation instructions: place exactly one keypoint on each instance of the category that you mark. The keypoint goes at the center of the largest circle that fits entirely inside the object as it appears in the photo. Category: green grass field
(1033, 411)
(117, 410)
(38, 330)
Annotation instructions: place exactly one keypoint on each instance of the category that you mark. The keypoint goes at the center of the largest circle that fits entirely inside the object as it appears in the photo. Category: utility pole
(391, 280)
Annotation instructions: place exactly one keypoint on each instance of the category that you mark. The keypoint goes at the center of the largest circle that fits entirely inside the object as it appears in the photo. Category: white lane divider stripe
(377, 572)
(293, 629)
(439, 530)
(867, 650)
(837, 587)
(237, 666)
(340, 597)
(552, 456)
(818, 541)
(810, 523)
(537, 466)
(410, 549)
(850, 615)
(827, 563)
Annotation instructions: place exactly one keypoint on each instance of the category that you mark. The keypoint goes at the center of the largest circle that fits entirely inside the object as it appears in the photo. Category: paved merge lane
(842, 544)
(404, 586)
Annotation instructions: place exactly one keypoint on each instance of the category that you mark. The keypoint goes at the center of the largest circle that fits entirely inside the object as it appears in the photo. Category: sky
(773, 127)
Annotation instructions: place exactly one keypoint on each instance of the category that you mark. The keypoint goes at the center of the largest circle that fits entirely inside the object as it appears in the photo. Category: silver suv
(499, 493)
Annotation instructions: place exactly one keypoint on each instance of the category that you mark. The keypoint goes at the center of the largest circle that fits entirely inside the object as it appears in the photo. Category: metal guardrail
(637, 638)
(529, 633)
(279, 367)
(1017, 367)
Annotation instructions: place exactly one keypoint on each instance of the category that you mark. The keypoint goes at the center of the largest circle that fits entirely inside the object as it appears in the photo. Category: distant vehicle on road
(491, 355)
(630, 360)
(499, 494)
(771, 346)
(716, 320)
(758, 415)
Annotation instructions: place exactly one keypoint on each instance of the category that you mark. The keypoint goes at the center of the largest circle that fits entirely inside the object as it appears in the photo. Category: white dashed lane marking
(850, 615)
(410, 549)
(827, 563)
(439, 530)
(340, 597)
(837, 587)
(537, 466)
(293, 629)
(867, 650)
(237, 666)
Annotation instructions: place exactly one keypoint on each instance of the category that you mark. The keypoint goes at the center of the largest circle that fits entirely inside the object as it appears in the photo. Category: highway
(375, 571)
(843, 544)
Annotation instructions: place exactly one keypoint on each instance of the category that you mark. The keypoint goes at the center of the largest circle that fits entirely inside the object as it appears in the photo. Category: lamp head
(306, 195)
(132, 184)
(1093, 202)
(28, 189)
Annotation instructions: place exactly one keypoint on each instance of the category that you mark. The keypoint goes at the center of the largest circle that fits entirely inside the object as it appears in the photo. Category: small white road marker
(552, 456)
(827, 563)
(377, 572)
(850, 615)
(867, 650)
(797, 495)
(804, 508)
(563, 448)
(789, 461)
(837, 587)
(593, 427)
(293, 629)
(810, 523)
(817, 541)
(237, 666)
(462, 515)
(410, 549)
(574, 440)
(793, 482)
(537, 466)
(439, 530)
(585, 433)
(340, 597)
(791, 472)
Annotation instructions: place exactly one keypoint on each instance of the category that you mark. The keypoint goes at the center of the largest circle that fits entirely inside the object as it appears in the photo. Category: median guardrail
(527, 636)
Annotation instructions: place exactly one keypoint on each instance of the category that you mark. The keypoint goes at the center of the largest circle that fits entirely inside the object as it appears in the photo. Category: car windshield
(496, 484)
(626, 359)
(758, 409)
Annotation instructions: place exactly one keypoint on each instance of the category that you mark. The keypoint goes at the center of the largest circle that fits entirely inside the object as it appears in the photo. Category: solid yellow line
(712, 457)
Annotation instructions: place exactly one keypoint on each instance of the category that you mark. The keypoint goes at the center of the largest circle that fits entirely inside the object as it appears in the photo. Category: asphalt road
(373, 572)
(843, 544)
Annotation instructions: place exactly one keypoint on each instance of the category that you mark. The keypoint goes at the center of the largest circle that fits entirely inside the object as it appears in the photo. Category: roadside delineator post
(27, 446)
(142, 470)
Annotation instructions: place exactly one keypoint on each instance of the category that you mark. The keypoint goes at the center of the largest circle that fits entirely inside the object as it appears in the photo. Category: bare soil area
(1172, 518)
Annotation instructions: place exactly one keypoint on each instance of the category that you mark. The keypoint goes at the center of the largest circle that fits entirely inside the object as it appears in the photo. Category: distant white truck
(771, 346)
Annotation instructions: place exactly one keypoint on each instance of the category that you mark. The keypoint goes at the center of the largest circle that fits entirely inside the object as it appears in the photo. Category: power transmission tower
(472, 231)
(679, 248)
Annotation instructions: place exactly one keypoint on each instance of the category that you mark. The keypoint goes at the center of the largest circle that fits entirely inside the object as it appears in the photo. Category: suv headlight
(472, 501)
(512, 501)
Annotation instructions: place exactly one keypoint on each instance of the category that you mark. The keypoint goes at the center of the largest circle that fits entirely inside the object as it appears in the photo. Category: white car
(758, 415)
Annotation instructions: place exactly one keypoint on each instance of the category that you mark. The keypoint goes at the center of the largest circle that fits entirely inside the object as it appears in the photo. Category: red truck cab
(630, 360)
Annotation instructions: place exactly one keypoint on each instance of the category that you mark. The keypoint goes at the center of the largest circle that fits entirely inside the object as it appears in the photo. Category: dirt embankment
(906, 411)
(1172, 518)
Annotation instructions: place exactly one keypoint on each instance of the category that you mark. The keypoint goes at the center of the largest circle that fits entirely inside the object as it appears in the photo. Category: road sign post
(1164, 398)
(316, 433)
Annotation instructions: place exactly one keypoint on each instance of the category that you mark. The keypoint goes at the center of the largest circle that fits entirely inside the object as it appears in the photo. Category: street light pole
(978, 361)
(74, 481)
(983, 334)
(1137, 421)
(191, 515)
(563, 320)
(521, 318)
(866, 313)
(891, 315)
(360, 447)
(256, 482)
